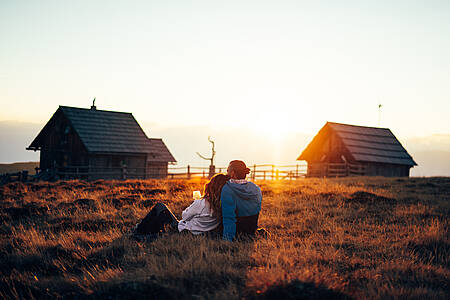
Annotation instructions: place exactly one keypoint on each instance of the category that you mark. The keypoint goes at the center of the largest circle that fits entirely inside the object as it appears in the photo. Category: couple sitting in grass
(230, 206)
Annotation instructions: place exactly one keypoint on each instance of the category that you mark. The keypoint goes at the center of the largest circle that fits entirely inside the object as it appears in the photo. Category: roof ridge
(328, 122)
(101, 110)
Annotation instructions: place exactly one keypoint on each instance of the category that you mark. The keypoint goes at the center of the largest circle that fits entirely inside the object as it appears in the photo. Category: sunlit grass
(329, 238)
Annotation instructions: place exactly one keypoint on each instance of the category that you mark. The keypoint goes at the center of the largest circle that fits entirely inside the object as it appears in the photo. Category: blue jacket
(238, 200)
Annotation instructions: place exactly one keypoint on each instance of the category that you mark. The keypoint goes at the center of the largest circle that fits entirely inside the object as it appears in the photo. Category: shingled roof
(159, 153)
(104, 131)
(366, 144)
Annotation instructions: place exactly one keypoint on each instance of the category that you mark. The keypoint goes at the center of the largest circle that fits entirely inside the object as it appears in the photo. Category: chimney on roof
(93, 107)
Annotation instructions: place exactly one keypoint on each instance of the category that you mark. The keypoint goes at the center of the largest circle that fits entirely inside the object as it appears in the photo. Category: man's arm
(228, 213)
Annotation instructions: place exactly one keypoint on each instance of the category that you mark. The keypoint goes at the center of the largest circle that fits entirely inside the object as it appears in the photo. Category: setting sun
(273, 126)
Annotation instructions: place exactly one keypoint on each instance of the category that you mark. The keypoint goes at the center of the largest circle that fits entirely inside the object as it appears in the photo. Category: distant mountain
(14, 138)
(432, 154)
(435, 142)
(431, 163)
(18, 167)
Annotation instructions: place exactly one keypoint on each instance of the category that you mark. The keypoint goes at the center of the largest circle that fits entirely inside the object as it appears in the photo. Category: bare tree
(212, 167)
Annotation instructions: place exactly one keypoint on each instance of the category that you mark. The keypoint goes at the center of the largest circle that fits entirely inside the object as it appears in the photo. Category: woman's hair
(239, 168)
(212, 191)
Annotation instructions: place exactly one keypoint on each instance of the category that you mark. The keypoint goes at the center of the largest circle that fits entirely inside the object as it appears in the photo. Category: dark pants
(247, 225)
(159, 219)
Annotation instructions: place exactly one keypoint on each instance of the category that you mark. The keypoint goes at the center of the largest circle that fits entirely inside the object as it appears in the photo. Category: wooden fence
(257, 172)
(11, 177)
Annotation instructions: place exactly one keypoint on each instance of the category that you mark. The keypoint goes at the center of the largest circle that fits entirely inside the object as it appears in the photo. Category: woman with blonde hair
(202, 216)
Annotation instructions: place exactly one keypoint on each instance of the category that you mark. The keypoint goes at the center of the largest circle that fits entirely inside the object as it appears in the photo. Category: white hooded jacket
(198, 218)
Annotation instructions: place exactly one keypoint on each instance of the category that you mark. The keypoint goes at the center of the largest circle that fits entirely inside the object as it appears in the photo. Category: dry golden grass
(359, 238)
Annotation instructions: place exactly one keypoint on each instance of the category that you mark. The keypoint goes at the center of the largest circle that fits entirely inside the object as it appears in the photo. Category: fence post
(264, 174)
(24, 175)
(277, 174)
(254, 172)
(203, 174)
(296, 171)
(273, 172)
(189, 172)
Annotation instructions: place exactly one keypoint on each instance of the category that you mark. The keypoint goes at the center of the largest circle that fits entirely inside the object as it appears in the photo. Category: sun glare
(276, 132)
(274, 127)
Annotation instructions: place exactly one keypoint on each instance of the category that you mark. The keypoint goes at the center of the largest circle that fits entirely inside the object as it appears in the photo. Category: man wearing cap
(241, 202)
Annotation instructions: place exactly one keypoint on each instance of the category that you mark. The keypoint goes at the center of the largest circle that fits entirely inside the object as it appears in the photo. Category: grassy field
(347, 238)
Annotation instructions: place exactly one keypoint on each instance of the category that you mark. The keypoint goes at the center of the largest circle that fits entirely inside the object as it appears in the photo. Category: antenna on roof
(379, 114)
(93, 107)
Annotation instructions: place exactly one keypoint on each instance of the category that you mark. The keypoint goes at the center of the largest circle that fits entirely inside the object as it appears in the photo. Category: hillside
(19, 166)
(345, 238)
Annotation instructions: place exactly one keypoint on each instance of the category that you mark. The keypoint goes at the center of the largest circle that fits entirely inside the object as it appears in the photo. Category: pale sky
(275, 67)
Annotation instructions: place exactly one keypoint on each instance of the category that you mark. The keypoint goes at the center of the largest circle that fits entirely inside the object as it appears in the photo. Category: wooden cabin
(98, 144)
(340, 150)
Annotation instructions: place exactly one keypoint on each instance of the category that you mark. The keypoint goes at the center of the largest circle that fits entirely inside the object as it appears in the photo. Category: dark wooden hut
(93, 144)
(340, 150)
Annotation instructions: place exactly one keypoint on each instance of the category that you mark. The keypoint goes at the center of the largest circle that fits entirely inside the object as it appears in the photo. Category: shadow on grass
(145, 289)
(139, 289)
(299, 290)
(433, 251)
